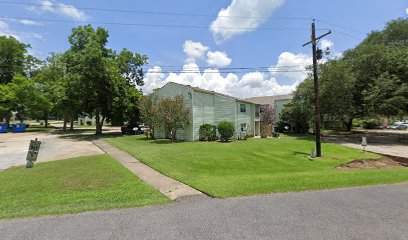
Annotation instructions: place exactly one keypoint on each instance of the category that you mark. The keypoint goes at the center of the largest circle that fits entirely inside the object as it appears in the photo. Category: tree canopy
(87, 79)
(369, 80)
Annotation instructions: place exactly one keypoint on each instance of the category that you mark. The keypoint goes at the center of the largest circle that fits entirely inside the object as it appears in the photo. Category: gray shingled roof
(268, 99)
(211, 92)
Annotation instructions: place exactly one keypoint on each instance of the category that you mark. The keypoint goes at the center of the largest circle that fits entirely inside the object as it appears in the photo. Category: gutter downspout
(192, 113)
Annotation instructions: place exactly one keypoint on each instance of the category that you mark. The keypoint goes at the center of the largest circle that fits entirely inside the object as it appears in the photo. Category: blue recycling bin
(3, 128)
(18, 128)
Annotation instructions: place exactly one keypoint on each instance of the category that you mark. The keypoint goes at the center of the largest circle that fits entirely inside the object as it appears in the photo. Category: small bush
(226, 130)
(242, 136)
(208, 132)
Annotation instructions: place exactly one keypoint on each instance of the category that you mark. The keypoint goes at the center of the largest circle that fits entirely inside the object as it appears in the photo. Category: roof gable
(210, 92)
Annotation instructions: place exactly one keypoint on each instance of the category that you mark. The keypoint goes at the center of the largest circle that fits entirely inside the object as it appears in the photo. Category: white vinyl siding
(211, 108)
(203, 111)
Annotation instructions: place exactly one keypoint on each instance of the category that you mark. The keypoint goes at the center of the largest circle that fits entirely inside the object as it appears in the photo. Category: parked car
(398, 127)
(145, 128)
(132, 130)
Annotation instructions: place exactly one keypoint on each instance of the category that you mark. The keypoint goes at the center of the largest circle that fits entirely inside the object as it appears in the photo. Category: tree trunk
(101, 125)
(349, 124)
(7, 121)
(98, 121)
(71, 127)
(64, 126)
(46, 120)
(151, 132)
(173, 135)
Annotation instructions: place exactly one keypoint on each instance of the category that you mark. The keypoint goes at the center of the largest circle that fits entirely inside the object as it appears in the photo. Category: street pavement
(14, 147)
(379, 212)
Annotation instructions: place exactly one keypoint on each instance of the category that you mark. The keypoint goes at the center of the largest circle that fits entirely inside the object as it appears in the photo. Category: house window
(243, 127)
(242, 108)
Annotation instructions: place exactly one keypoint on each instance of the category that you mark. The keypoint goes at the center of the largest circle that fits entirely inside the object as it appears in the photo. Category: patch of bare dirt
(373, 164)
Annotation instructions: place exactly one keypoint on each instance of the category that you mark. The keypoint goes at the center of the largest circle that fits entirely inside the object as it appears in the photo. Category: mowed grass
(72, 185)
(255, 166)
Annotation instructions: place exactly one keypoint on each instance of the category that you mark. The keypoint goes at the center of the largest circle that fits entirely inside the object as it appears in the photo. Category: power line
(183, 69)
(228, 68)
(347, 35)
(150, 25)
(147, 12)
(340, 26)
(224, 72)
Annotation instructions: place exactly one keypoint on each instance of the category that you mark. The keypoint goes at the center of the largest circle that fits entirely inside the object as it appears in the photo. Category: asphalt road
(379, 212)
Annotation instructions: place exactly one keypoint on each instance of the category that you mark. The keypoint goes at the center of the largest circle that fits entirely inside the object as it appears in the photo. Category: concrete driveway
(387, 142)
(14, 147)
(379, 212)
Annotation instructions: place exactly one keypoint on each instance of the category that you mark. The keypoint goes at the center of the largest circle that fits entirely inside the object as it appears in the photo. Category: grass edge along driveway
(255, 166)
(72, 185)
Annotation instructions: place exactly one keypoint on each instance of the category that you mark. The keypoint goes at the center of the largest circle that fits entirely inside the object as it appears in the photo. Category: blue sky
(273, 38)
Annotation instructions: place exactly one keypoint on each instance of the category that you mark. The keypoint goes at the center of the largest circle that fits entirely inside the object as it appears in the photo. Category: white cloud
(153, 79)
(228, 20)
(194, 50)
(260, 84)
(3, 25)
(406, 11)
(249, 85)
(29, 22)
(71, 11)
(291, 66)
(59, 9)
(47, 5)
(6, 31)
(326, 44)
(218, 59)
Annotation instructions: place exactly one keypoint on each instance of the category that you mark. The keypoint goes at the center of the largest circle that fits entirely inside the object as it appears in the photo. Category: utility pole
(316, 52)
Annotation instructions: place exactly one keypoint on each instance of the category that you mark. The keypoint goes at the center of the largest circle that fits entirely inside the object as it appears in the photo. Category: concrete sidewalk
(171, 188)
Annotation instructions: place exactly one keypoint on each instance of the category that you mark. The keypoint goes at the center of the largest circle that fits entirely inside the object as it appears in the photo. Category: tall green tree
(299, 112)
(106, 81)
(14, 61)
(338, 92)
(149, 109)
(383, 55)
(87, 59)
(13, 56)
(50, 79)
(369, 80)
(127, 74)
(25, 97)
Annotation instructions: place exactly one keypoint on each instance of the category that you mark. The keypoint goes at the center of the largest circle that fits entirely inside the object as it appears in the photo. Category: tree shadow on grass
(300, 153)
(87, 137)
(162, 141)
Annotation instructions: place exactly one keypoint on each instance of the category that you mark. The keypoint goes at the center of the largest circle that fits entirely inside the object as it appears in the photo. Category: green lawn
(256, 165)
(39, 128)
(72, 185)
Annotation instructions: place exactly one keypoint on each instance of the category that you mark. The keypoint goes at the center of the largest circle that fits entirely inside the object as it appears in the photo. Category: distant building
(276, 101)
